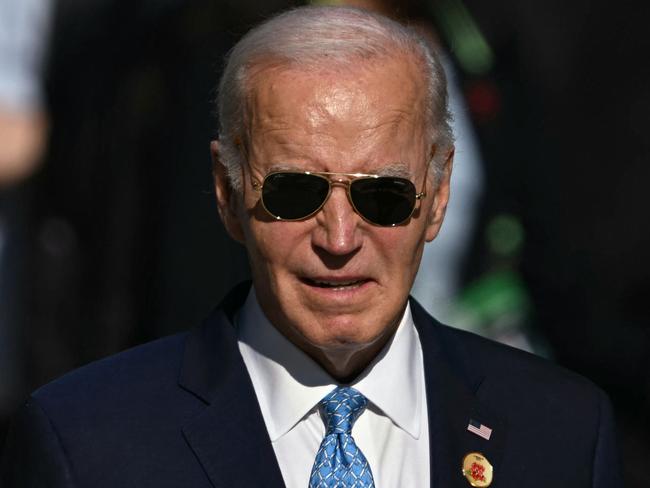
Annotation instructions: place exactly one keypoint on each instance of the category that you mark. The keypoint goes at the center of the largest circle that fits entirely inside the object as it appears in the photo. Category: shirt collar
(289, 384)
(393, 381)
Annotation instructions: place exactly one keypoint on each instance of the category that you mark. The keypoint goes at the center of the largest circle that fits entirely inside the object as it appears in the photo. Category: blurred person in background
(24, 35)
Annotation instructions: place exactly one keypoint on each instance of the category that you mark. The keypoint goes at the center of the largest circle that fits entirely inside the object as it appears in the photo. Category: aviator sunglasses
(381, 200)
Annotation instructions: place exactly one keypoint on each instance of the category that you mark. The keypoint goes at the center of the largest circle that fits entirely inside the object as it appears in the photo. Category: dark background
(116, 240)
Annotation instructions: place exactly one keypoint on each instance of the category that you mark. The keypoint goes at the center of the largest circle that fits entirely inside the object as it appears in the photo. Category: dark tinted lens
(293, 195)
(383, 201)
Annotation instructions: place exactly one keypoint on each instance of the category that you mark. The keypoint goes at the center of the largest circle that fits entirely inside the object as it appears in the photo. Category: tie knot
(342, 407)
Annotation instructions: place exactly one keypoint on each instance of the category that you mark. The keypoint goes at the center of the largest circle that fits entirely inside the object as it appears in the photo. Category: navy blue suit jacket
(182, 412)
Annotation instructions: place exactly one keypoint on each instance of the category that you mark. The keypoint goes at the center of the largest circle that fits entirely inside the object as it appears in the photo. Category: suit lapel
(229, 436)
(453, 398)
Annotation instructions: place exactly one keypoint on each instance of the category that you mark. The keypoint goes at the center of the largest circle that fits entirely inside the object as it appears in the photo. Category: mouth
(338, 284)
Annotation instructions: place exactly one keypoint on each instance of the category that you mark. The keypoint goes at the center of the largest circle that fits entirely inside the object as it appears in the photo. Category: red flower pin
(476, 472)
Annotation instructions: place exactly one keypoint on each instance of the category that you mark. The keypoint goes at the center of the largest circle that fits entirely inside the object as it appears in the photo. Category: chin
(347, 341)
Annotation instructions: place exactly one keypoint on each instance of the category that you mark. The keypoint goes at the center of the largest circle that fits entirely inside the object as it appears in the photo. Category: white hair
(317, 37)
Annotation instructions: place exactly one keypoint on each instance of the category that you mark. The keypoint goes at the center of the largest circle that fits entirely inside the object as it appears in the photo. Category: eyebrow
(395, 169)
(285, 167)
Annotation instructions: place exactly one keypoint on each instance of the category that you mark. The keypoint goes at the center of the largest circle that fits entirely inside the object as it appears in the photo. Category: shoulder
(473, 357)
(528, 389)
(106, 421)
(516, 370)
(150, 370)
(144, 367)
(129, 395)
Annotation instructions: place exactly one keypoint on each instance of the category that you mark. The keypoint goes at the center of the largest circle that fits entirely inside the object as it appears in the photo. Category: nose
(338, 230)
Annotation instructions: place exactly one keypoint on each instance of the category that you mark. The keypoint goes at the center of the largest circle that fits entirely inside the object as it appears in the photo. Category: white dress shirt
(393, 432)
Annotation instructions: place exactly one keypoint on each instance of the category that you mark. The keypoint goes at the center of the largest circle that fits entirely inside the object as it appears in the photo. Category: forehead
(321, 114)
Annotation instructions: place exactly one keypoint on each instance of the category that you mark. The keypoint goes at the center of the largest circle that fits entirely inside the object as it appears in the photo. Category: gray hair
(313, 37)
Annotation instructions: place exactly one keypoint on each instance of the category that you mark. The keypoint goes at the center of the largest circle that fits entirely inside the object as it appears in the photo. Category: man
(332, 168)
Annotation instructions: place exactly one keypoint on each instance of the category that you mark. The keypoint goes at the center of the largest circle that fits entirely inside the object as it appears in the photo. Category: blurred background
(109, 235)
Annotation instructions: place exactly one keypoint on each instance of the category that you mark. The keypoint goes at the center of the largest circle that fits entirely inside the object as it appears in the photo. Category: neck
(345, 363)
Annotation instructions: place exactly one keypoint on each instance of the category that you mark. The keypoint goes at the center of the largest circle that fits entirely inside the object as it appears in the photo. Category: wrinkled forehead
(379, 97)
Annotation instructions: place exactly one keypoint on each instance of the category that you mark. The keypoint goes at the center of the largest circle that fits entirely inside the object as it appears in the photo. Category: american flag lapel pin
(479, 429)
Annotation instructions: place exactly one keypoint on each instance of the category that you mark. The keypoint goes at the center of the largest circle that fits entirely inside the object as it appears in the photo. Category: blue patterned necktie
(339, 462)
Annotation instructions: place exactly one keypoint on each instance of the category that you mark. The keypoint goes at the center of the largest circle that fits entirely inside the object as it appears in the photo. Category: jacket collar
(231, 428)
(455, 387)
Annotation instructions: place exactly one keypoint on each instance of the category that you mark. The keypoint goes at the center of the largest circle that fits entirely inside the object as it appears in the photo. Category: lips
(345, 283)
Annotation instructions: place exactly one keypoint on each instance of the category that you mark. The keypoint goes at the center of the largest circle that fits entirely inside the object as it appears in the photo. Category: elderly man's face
(333, 282)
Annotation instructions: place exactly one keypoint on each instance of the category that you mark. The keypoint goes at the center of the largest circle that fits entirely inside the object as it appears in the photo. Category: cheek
(271, 245)
(403, 245)
(406, 254)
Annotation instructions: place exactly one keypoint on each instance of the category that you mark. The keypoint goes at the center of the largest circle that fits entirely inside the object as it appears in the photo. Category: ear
(228, 202)
(440, 198)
